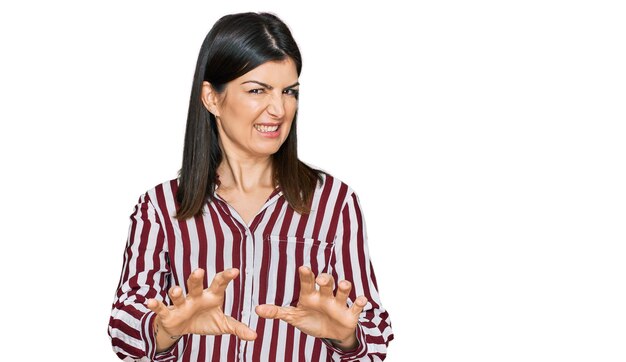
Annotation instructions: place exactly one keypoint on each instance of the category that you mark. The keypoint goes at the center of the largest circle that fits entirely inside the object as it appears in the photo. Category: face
(255, 111)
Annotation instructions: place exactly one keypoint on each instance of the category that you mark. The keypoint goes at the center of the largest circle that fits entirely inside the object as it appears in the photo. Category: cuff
(358, 352)
(147, 335)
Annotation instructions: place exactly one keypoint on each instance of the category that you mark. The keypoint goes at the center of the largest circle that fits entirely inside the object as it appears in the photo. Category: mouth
(266, 128)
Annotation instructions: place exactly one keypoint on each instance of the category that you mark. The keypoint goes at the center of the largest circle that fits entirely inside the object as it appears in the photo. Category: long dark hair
(236, 44)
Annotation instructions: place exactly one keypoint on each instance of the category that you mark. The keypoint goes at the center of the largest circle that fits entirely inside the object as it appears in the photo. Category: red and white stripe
(162, 251)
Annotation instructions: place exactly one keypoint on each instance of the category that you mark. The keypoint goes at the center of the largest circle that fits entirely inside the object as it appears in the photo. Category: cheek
(244, 108)
(291, 107)
(286, 128)
(290, 112)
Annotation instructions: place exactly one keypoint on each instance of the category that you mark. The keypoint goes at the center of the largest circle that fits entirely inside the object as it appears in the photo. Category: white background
(486, 141)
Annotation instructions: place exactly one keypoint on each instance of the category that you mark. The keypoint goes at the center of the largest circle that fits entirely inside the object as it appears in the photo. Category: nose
(276, 108)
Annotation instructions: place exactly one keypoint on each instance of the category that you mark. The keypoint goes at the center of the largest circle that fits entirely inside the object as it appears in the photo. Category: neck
(245, 174)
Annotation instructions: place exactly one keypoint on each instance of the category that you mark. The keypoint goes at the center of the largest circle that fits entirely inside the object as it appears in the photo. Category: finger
(270, 311)
(158, 307)
(343, 292)
(326, 282)
(176, 296)
(194, 283)
(267, 311)
(240, 330)
(221, 280)
(358, 305)
(307, 280)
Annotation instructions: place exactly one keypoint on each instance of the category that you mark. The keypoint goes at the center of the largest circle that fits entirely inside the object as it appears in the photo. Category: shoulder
(328, 180)
(331, 181)
(162, 197)
(332, 191)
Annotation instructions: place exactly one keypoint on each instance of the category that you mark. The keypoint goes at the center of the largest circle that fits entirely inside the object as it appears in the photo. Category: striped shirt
(162, 251)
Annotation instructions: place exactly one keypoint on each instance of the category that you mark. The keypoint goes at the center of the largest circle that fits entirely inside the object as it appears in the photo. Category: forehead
(275, 73)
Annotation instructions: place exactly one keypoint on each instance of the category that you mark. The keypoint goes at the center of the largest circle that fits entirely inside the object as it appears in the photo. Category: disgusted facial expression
(255, 111)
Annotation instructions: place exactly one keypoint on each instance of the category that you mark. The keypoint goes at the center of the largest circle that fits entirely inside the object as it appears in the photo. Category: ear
(209, 98)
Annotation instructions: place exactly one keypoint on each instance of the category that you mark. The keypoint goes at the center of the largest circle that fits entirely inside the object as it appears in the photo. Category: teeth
(261, 128)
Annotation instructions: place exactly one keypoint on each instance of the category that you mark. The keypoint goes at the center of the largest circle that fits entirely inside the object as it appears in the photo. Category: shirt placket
(248, 274)
(248, 266)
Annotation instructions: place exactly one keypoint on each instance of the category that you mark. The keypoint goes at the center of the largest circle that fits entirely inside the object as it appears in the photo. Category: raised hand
(200, 312)
(320, 313)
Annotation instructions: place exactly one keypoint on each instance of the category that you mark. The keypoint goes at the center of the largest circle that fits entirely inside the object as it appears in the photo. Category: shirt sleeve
(145, 275)
(352, 262)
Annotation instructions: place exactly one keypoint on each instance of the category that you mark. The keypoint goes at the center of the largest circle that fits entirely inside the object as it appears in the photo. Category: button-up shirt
(162, 251)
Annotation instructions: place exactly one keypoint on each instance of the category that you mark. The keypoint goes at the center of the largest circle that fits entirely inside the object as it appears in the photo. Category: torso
(267, 252)
(247, 204)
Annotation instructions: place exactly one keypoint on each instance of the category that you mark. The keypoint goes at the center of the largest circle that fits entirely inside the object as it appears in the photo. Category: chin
(266, 151)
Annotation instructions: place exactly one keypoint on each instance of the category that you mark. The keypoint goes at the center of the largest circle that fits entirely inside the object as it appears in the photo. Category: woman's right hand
(200, 312)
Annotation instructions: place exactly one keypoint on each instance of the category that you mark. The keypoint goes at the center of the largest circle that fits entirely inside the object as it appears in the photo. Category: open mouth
(266, 129)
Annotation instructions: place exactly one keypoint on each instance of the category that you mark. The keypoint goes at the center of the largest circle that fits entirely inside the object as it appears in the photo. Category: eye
(291, 92)
(256, 91)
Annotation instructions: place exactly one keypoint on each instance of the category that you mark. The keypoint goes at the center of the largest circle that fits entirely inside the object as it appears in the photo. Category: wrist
(347, 344)
(164, 340)
(160, 331)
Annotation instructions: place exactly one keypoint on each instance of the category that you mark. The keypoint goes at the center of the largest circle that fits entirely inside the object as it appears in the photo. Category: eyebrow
(269, 86)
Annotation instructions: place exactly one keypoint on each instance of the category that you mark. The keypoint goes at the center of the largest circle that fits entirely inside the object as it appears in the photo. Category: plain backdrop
(485, 139)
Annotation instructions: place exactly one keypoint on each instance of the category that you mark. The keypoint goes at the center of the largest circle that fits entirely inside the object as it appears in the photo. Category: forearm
(374, 328)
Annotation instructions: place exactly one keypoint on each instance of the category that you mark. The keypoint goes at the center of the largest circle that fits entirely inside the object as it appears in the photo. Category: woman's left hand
(320, 313)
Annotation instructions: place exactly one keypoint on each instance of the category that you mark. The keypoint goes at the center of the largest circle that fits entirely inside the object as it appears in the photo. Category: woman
(247, 215)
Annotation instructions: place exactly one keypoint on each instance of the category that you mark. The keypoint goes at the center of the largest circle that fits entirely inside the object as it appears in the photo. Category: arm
(145, 275)
(351, 262)
(148, 322)
(353, 328)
